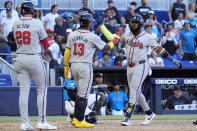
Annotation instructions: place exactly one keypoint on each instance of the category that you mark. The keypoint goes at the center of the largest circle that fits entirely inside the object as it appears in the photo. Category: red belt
(133, 64)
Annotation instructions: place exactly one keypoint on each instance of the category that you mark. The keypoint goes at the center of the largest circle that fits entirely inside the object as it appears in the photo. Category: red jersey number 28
(78, 49)
(23, 37)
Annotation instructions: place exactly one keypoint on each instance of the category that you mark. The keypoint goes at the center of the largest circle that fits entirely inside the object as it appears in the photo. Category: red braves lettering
(133, 43)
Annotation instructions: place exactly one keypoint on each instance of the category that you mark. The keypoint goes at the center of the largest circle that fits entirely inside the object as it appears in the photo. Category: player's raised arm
(165, 54)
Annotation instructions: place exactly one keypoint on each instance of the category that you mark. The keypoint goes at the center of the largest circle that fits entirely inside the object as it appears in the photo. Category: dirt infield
(114, 125)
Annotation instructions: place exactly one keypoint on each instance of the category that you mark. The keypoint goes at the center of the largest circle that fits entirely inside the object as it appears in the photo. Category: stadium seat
(167, 63)
(99, 54)
(5, 80)
(188, 63)
(112, 60)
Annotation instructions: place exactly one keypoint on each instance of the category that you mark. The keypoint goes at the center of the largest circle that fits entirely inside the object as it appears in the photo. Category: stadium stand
(5, 80)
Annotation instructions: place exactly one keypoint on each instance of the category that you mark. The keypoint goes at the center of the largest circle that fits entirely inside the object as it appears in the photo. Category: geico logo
(166, 81)
(190, 81)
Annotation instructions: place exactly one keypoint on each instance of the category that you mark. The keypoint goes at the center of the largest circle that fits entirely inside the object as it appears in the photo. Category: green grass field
(135, 117)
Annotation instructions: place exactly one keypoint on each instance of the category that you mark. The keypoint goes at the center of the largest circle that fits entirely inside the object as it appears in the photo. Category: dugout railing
(151, 91)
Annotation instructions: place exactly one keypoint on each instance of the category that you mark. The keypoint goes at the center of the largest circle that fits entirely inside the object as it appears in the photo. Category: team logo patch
(133, 43)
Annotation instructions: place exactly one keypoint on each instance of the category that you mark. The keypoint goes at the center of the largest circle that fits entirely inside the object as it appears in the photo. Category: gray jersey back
(28, 32)
(83, 44)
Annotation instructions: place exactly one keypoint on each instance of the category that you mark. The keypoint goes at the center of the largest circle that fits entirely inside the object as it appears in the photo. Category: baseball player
(28, 33)
(95, 101)
(81, 46)
(137, 44)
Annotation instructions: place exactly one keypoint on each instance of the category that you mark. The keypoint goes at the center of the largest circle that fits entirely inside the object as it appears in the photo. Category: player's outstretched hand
(178, 63)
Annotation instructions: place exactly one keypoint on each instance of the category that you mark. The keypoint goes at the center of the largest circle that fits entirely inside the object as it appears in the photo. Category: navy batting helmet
(28, 8)
(137, 18)
(85, 19)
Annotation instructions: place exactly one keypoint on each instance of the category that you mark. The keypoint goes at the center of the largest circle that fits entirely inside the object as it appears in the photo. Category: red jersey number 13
(78, 49)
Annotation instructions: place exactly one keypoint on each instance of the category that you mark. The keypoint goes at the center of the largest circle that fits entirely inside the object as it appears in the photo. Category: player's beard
(135, 31)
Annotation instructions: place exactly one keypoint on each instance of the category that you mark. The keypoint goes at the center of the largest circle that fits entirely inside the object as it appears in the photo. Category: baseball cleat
(74, 120)
(126, 122)
(195, 122)
(148, 119)
(46, 126)
(26, 127)
(81, 124)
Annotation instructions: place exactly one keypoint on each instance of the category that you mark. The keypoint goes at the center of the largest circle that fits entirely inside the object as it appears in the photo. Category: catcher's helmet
(137, 18)
(91, 117)
(85, 19)
(28, 8)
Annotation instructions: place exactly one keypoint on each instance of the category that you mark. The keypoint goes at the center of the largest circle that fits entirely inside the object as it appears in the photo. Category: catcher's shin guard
(98, 103)
(130, 110)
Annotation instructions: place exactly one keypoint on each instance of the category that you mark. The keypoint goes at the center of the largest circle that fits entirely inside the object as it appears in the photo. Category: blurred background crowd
(177, 36)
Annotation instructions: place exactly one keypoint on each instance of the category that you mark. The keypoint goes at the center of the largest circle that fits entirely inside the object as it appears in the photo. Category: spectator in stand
(175, 9)
(94, 61)
(118, 61)
(8, 4)
(7, 22)
(192, 16)
(50, 36)
(61, 28)
(151, 15)
(54, 52)
(169, 42)
(133, 4)
(114, 10)
(155, 61)
(86, 8)
(117, 100)
(68, 20)
(105, 61)
(51, 40)
(187, 44)
(143, 9)
(178, 24)
(39, 15)
(130, 12)
(12, 43)
(49, 19)
(120, 30)
(154, 28)
(176, 99)
(3, 46)
(170, 26)
(108, 15)
(18, 9)
(148, 29)
(115, 16)
(75, 21)
(97, 30)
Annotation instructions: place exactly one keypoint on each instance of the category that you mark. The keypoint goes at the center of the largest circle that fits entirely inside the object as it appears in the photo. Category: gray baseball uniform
(138, 68)
(29, 65)
(83, 44)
